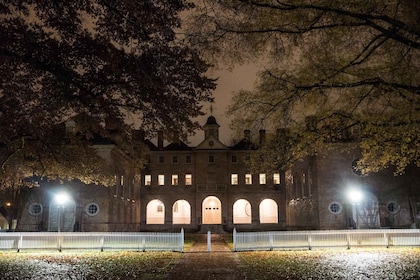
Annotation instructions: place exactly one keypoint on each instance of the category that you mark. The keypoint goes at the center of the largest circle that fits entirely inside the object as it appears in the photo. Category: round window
(335, 208)
(92, 209)
(35, 209)
(393, 207)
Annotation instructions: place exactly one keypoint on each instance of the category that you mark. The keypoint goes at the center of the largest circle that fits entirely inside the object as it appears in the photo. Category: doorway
(212, 211)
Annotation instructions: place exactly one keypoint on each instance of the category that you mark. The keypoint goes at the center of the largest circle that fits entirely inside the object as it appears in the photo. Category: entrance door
(212, 211)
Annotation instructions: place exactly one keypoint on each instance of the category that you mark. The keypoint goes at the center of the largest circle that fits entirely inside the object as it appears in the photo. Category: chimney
(160, 139)
(262, 136)
(247, 134)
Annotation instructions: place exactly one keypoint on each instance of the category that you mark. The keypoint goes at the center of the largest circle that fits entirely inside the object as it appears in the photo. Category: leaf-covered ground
(378, 263)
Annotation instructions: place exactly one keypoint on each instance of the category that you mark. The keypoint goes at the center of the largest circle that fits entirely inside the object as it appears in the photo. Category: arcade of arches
(211, 211)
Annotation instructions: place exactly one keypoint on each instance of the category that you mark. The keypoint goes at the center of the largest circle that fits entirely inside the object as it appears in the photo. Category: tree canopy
(107, 60)
(333, 70)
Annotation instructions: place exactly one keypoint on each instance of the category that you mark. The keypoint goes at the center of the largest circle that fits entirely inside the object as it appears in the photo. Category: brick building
(208, 187)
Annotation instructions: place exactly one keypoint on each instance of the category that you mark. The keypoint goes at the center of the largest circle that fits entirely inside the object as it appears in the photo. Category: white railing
(248, 241)
(137, 241)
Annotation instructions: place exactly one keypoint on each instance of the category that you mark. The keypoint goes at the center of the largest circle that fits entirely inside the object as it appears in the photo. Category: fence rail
(249, 241)
(136, 241)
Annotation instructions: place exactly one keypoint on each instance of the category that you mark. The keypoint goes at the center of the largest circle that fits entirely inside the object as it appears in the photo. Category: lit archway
(212, 210)
(155, 212)
(268, 212)
(181, 212)
(242, 212)
(62, 214)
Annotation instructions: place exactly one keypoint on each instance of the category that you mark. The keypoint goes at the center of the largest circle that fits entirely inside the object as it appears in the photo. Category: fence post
(20, 243)
(309, 241)
(59, 242)
(234, 239)
(102, 241)
(208, 241)
(348, 240)
(270, 237)
(182, 240)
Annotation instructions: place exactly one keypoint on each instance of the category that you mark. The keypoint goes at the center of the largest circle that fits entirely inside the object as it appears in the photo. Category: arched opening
(155, 212)
(212, 211)
(242, 212)
(181, 212)
(268, 212)
(62, 214)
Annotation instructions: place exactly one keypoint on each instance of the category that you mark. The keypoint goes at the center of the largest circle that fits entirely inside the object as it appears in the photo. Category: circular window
(393, 207)
(335, 208)
(92, 209)
(35, 209)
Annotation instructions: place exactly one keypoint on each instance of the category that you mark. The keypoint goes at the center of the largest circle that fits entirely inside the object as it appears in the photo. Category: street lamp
(61, 200)
(355, 196)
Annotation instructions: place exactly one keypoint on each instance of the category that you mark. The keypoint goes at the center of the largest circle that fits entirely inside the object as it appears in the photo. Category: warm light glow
(8, 204)
(61, 198)
(355, 195)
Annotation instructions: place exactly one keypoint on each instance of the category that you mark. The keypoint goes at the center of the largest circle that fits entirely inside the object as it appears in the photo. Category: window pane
(147, 180)
(276, 179)
(175, 159)
(174, 180)
(188, 179)
(248, 179)
(161, 180)
(262, 179)
(234, 179)
(188, 159)
(161, 159)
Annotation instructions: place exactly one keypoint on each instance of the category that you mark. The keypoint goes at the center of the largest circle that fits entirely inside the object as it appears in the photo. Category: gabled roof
(177, 146)
(244, 144)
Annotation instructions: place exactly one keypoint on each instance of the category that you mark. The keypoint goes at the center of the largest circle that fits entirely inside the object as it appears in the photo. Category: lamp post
(9, 222)
(61, 200)
(355, 196)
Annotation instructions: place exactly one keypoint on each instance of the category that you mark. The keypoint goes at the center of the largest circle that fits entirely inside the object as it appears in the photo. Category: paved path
(197, 263)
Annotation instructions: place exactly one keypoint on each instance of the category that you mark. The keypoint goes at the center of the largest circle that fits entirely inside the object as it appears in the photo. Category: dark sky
(242, 77)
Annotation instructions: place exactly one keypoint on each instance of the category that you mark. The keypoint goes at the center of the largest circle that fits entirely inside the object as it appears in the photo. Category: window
(393, 207)
(161, 159)
(92, 209)
(211, 158)
(335, 208)
(147, 180)
(234, 179)
(161, 180)
(276, 179)
(248, 179)
(188, 159)
(35, 209)
(174, 159)
(188, 179)
(159, 208)
(234, 159)
(174, 180)
(263, 180)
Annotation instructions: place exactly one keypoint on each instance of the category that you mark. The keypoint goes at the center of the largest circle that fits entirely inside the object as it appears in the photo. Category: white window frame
(175, 180)
(188, 179)
(147, 180)
(234, 179)
(161, 180)
(248, 179)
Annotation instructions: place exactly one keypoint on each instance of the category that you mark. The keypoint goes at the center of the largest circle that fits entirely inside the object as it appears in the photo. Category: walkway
(197, 263)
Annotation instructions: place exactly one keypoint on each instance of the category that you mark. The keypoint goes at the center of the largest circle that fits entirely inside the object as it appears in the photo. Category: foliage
(104, 60)
(352, 68)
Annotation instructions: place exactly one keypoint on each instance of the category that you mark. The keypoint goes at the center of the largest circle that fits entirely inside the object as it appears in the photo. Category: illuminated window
(161, 180)
(262, 179)
(147, 180)
(174, 180)
(161, 159)
(159, 208)
(276, 179)
(248, 179)
(188, 179)
(234, 179)
(335, 208)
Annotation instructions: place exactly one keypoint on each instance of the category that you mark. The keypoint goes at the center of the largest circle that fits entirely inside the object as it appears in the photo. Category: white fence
(136, 241)
(248, 241)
